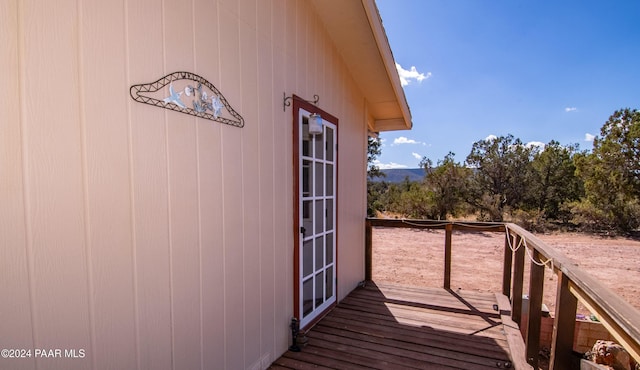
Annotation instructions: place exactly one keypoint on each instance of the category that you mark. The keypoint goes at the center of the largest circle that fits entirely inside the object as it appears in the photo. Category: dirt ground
(416, 257)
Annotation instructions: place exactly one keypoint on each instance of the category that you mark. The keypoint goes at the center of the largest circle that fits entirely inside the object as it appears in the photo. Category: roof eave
(399, 123)
(356, 30)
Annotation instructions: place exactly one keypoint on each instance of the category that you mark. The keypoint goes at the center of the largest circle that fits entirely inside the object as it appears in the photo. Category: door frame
(298, 104)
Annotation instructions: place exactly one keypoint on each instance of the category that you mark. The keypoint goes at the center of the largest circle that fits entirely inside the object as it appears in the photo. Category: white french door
(317, 219)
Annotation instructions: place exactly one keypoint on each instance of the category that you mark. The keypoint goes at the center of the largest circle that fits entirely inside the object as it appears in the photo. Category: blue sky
(539, 70)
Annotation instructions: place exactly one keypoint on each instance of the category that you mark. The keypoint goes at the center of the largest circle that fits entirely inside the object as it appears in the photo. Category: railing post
(368, 251)
(506, 272)
(536, 287)
(518, 281)
(564, 325)
(447, 256)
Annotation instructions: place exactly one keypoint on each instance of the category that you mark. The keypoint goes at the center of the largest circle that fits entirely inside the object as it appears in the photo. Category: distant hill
(396, 175)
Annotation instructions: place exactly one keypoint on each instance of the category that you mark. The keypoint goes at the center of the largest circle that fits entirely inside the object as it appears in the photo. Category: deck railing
(574, 284)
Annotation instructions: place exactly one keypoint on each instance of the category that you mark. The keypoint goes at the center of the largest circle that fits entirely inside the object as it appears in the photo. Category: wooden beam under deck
(394, 327)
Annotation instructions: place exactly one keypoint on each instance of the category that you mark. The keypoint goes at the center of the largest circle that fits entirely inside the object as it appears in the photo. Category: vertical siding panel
(291, 49)
(247, 9)
(330, 79)
(344, 192)
(282, 133)
(14, 268)
(232, 164)
(313, 54)
(302, 38)
(211, 219)
(253, 181)
(207, 56)
(318, 45)
(213, 277)
(290, 35)
(351, 211)
(326, 65)
(335, 79)
(54, 173)
(108, 182)
(278, 35)
(183, 195)
(150, 192)
(266, 166)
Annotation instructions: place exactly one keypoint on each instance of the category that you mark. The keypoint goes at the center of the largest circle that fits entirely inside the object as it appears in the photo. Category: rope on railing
(405, 221)
(471, 226)
(509, 240)
(550, 260)
(445, 223)
(522, 242)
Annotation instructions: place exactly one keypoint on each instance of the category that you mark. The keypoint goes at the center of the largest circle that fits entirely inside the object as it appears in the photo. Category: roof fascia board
(375, 21)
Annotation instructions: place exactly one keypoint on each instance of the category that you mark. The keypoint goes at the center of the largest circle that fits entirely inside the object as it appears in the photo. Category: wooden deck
(391, 327)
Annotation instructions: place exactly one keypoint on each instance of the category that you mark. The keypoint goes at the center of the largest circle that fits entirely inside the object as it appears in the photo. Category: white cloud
(589, 137)
(406, 76)
(386, 166)
(416, 155)
(490, 138)
(570, 109)
(539, 144)
(405, 140)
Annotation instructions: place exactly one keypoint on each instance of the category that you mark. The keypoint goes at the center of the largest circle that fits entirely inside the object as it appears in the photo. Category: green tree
(374, 190)
(410, 199)
(502, 175)
(556, 180)
(374, 149)
(611, 174)
(447, 183)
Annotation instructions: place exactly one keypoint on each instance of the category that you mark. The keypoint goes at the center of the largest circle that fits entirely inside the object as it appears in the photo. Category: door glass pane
(330, 143)
(319, 288)
(329, 276)
(307, 223)
(319, 253)
(307, 178)
(319, 216)
(307, 297)
(305, 137)
(329, 203)
(319, 174)
(307, 257)
(329, 179)
(319, 146)
(329, 248)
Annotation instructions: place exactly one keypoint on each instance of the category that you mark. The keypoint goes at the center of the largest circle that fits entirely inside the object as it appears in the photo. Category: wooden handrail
(434, 224)
(617, 315)
(574, 284)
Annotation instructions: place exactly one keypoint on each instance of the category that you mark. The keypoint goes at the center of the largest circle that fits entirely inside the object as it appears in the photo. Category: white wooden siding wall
(148, 238)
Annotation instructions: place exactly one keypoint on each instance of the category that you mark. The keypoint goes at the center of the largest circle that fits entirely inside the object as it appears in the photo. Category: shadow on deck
(393, 327)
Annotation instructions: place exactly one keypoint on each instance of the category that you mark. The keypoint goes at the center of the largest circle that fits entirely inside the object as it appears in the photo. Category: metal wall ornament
(202, 98)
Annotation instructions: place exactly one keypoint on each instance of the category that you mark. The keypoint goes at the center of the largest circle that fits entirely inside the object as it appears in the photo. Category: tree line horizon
(502, 179)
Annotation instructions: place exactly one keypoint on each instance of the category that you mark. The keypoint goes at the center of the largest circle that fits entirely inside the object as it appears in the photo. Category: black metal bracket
(286, 100)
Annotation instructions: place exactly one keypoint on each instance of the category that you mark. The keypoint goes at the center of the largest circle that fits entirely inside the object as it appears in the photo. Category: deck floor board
(394, 327)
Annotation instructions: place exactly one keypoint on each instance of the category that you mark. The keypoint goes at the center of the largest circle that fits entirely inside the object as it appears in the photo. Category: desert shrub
(491, 208)
(417, 202)
(614, 220)
(532, 220)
